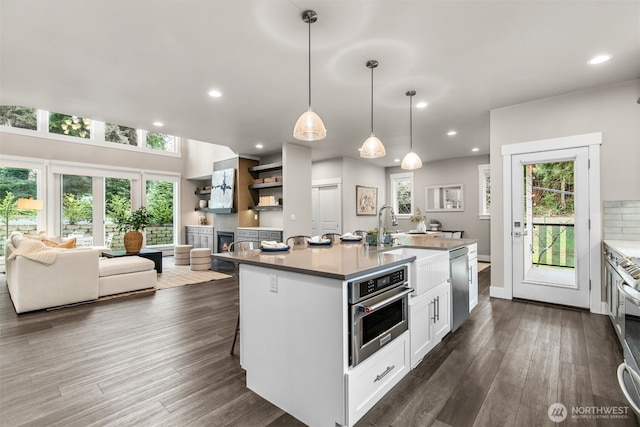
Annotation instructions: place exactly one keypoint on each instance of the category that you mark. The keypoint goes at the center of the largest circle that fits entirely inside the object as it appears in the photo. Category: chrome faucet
(394, 222)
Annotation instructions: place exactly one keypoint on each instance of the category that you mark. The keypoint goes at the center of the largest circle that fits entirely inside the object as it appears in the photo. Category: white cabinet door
(473, 276)
(442, 313)
(420, 325)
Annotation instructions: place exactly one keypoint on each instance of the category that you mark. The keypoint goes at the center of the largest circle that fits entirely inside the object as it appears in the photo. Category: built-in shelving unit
(256, 172)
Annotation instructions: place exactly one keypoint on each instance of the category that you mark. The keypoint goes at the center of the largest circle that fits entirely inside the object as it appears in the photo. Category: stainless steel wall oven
(378, 308)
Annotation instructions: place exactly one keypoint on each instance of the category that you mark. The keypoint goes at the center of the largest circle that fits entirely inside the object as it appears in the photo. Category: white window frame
(96, 139)
(484, 171)
(395, 179)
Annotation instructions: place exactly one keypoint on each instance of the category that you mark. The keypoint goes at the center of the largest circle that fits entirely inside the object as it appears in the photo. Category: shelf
(266, 208)
(266, 168)
(203, 192)
(266, 185)
(217, 210)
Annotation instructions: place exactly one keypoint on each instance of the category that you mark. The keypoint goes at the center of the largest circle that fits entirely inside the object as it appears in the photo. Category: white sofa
(77, 275)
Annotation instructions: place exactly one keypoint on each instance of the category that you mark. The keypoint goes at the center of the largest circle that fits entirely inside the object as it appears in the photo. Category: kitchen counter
(426, 241)
(629, 248)
(342, 261)
(261, 228)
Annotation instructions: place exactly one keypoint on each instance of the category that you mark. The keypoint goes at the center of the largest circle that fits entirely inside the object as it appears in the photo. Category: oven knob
(367, 310)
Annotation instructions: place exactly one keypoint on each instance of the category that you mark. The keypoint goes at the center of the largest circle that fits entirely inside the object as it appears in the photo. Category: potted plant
(419, 219)
(132, 224)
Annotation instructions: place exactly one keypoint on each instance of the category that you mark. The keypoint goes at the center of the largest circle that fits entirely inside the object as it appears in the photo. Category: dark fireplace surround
(223, 240)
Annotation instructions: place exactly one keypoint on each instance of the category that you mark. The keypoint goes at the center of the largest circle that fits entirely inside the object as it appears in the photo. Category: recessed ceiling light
(452, 132)
(421, 104)
(599, 59)
(259, 146)
(215, 93)
(159, 124)
(396, 160)
(475, 149)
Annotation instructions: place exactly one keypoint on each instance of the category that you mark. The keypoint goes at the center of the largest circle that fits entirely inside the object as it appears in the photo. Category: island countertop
(343, 261)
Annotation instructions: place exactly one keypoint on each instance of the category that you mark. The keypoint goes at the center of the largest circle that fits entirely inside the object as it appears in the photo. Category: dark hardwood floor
(162, 359)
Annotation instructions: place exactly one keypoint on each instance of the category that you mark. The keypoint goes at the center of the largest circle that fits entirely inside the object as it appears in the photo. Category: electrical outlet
(293, 217)
(274, 283)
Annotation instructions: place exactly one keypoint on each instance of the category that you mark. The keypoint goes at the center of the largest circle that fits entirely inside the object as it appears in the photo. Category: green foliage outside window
(403, 191)
(160, 141)
(120, 134)
(64, 124)
(160, 201)
(18, 117)
(75, 210)
(553, 189)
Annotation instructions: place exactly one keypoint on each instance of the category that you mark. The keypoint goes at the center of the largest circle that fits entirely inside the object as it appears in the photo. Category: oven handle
(371, 308)
(629, 292)
(621, 368)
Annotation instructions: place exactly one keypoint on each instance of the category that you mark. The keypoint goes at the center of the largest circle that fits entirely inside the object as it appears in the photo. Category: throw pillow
(68, 244)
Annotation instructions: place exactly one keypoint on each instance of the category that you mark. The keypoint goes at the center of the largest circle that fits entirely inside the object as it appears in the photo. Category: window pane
(117, 204)
(69, 125)
(77, 206)
(403, 192)
(160, 206)
(16, 184)
(160, 141)
(120, 134)
(18, 117)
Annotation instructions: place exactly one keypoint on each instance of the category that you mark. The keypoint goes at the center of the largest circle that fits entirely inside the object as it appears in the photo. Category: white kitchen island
(294, 332)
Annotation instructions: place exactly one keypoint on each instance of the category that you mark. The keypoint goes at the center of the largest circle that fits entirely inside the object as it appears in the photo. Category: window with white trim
(402, 194)
(484, 182)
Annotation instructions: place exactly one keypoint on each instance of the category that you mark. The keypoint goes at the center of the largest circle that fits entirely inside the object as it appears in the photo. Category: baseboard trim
(495, 292)
(484, 258)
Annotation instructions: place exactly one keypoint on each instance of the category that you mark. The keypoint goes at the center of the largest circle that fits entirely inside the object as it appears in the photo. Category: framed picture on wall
(366, 200)
(222, 189)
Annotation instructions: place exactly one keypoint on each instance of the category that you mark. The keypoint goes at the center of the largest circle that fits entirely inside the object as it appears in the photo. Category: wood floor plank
(162, 359)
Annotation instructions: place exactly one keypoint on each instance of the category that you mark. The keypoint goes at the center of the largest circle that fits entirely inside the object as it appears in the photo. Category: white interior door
(327, 209)
(550, 228)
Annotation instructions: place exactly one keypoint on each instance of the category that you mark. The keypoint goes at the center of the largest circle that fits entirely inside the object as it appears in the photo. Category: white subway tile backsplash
(622, 220)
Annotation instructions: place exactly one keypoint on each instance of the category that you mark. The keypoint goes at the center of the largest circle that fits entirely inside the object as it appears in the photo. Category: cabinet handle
(382, 375)
(433, 319)
(438, 310)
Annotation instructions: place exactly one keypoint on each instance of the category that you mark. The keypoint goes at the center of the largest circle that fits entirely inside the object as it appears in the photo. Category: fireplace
(223, 240)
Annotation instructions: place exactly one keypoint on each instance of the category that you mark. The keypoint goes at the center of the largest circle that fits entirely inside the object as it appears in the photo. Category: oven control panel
(361, 289)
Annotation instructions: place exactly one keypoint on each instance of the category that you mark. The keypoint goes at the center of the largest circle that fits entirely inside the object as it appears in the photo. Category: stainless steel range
(623, 272)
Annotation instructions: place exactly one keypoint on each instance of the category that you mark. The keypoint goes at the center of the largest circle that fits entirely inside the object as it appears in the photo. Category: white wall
(296, 190)
(454, 171)
(612, 110)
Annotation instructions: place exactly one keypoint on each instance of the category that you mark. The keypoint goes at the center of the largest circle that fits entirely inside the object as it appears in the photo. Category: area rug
(179, 275)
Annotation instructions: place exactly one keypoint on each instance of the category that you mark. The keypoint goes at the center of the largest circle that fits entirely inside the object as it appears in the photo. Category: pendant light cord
(372, 100)
(411, 122)
(309, 63)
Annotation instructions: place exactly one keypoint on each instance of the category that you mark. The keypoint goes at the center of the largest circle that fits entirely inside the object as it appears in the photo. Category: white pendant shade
(372, 148)
(411, 161)
(309, 127)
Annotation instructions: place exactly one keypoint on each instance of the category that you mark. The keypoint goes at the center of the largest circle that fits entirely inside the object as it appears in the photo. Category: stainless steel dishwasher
(459, 270)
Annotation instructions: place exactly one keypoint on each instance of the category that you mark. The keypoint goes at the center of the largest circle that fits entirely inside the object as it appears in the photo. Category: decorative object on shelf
(222, 188)
(202, 220)
(366, 200)
(132, 225)
(204, 204)
(419, 219)
(411, 160)
(309, 126)
(372, 148)
(435, 224)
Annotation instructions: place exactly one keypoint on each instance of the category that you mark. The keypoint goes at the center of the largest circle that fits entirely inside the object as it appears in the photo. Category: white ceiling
(136, 62)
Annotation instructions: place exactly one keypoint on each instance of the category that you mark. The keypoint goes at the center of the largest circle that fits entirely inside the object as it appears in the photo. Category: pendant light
(411, 160)
(372, 147)
(309, 126)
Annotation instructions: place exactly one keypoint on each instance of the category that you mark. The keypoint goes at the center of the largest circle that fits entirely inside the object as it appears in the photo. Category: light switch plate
(273, 283)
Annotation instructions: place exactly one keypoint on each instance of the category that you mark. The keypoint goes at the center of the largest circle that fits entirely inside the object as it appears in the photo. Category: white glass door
(550, 229)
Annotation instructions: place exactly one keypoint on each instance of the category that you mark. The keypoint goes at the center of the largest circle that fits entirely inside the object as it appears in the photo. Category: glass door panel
(77, 209)
(160, 197)
(117, 203)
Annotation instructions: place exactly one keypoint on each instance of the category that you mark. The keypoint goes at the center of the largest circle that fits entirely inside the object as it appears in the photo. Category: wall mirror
(444, 198)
